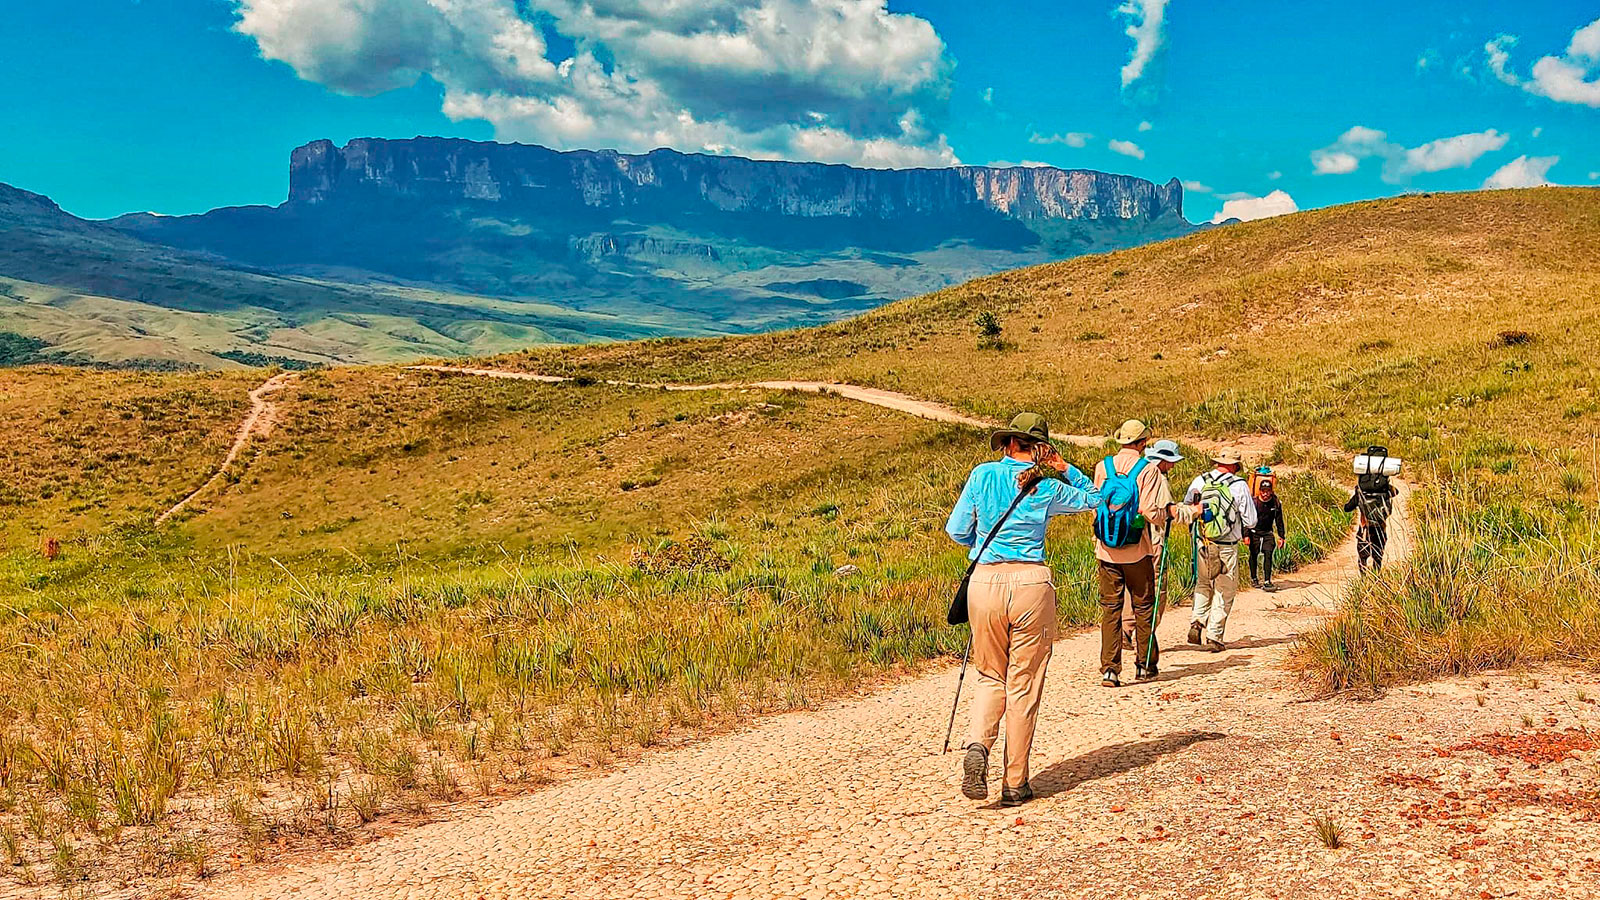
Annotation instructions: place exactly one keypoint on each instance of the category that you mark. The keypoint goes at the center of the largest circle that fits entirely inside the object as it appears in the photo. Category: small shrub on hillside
(694, 554)
(1514, 338)
(989, 326)
(1091, 336)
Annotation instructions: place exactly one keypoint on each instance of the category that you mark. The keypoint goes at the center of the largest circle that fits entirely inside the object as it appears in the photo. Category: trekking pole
(1161, 583)
(950, 729)
(1194, 553)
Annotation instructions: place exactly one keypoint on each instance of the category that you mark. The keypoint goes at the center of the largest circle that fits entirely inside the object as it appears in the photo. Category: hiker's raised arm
(1077, 479)
(963, 524)
(1066, 498)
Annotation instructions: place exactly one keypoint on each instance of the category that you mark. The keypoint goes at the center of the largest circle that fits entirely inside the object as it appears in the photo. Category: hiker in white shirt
(1217, 569)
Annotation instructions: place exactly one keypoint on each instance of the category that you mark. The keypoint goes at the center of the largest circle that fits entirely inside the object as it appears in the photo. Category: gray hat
(1163, 450)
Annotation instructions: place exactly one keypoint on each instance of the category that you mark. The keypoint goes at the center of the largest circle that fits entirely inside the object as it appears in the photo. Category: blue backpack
(1115, 519)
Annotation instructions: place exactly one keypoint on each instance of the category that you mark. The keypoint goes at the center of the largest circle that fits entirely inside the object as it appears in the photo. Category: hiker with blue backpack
(1228, 513)
(1135, 502)
(1163, 454)
(1009, 595)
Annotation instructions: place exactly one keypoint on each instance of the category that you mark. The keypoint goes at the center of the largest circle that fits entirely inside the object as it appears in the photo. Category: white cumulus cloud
(832, 80)
(1334, 162)
(1246, 207)
(1147, 26)
(1126, 148)
(1198, 187)
(1573, 77)
(1070, 138)
(1449, 153)
(1524, 171)
(1345, 155)
(1145, 126)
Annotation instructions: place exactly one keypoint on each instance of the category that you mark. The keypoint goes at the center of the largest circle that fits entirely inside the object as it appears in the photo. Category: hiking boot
(1215, 646)
(1147, 674)
(975, 773)
(1196, 634)
(1021, 795)
(1270, 588)
(1109, 679)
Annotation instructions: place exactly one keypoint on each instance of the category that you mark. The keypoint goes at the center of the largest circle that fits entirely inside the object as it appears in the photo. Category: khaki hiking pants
(1215, 585)
(1013, 611)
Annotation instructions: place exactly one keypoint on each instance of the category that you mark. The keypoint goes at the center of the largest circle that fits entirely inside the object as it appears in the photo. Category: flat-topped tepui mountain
(666, 182)
(735, 241)
(434, 246)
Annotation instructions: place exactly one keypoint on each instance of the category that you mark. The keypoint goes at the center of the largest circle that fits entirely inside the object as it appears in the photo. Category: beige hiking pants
(1013, 611)
(1215, 585)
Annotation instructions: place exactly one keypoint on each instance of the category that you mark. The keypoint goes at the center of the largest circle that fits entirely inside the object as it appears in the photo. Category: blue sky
(179, 106)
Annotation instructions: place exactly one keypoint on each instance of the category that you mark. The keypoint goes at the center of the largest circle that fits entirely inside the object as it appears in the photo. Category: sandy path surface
(256, 424)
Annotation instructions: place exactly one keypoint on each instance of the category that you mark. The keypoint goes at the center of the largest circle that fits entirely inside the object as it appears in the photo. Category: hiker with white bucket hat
(1228, 513)
(1009, 595)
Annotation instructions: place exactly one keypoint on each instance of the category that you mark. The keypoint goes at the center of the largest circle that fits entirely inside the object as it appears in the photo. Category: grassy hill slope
(427, 584)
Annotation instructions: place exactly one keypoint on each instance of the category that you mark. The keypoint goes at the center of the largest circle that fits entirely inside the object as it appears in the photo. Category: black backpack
(1375, 498)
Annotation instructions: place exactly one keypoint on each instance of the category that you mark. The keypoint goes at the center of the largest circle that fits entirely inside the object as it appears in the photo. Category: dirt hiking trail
(257, 423)
(1252, 446)
(1203, 783)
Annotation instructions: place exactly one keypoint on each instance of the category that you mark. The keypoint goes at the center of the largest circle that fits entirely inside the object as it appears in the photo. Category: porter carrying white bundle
(1377, 461)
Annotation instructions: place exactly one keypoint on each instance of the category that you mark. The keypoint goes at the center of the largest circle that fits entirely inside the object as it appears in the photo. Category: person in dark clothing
(1371, 501)
(1269, 518)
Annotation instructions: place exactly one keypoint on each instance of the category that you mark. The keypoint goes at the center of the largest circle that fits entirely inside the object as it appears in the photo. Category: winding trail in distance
(1253, 446)
(256, 423)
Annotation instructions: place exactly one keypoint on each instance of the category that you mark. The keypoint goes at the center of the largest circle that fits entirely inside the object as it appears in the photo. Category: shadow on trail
(1286, 585)
(1171, 671)
(1253, 643)
(1104, 762)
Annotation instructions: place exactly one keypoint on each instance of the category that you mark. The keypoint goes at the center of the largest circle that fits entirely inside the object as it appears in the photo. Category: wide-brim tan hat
(1226, 458)
(1030, 427)
(1132, 432)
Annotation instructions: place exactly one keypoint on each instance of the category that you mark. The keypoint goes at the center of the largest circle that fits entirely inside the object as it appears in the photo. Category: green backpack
(1222, 506)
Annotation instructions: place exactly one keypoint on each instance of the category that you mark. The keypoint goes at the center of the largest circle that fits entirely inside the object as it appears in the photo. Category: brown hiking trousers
(1138, 578)
(1013, 611)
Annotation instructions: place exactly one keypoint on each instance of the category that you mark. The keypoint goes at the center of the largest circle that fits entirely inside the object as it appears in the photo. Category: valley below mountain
(389, 250)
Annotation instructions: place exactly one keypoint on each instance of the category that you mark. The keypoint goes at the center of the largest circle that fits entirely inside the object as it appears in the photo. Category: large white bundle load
(1369, 464)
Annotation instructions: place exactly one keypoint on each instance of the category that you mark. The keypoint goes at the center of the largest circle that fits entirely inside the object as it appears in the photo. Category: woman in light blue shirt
(1011, 599)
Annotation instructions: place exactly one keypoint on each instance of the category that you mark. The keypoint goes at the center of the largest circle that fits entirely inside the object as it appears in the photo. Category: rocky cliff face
(604, 181)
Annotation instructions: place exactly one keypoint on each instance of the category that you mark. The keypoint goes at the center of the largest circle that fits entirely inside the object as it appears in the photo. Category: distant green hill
(82, 292)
